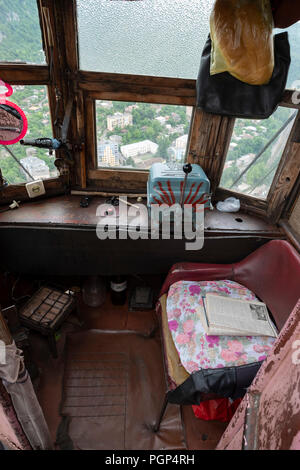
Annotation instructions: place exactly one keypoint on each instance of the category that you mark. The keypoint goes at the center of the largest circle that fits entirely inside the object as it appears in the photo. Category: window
(152, 37)
(130, 86)
(35, 161)
(294, 39)
(255, 151)
(136, 135)
(20, 34)
(27, 29)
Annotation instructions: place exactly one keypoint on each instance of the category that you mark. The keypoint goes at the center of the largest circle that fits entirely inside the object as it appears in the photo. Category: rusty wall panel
(277, 386)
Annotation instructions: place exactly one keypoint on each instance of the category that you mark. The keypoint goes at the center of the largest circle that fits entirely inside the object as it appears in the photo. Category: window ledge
(65, 211)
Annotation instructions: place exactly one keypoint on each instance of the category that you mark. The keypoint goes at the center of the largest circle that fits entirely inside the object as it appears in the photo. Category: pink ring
(9, 88)
(24, 120)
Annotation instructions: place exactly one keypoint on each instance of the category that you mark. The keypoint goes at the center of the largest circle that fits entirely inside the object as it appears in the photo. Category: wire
(264, 148)
(18, 162)
(13, 205)
(264, 177)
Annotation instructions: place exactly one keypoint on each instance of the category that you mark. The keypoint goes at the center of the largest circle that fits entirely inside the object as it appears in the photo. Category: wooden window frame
(118, 87)
(285, 186)
(208, 141)
(16, 74)
(51, 77)
(209, 135)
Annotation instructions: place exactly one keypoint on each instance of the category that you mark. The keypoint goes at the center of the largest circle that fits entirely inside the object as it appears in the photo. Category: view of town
(33, 100)
(250, 137)
(136, 135)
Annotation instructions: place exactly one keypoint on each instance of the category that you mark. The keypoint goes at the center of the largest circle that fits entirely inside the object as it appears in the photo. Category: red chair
(272, 273)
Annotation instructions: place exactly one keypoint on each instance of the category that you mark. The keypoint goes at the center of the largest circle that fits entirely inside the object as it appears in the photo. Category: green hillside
(20, 35)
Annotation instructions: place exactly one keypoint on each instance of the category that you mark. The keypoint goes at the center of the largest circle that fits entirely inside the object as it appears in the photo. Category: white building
(161, 120)
(244, 188)
(139, 148)
(228, 164)
(245, 160)
(108, 153)
(181, 142)
(36, 167)
(119, 120)
(179, 128)
(105, 104)
(189, 111)
(116, 139)
(176, 154)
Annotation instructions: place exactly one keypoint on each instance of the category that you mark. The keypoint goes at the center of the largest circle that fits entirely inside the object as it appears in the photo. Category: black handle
(187, 168)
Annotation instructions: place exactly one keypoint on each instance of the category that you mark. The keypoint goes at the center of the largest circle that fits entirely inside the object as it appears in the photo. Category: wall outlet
(35, 188)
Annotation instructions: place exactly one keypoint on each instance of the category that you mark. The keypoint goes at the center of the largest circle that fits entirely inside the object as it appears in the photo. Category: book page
(214, 330)
(240, 316)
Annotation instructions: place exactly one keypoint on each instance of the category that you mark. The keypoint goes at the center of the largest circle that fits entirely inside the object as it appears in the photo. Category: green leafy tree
(255, 173)
(130, 162)
(163, 145)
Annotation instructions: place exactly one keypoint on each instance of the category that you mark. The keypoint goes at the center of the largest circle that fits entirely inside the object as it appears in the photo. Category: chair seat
(272, 272)
(195, 348)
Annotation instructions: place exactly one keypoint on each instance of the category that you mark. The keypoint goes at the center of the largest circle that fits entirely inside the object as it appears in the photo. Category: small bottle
(93, 292)
(118, 286)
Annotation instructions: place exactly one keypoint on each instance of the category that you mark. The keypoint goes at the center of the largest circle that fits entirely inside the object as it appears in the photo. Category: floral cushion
(196, 349)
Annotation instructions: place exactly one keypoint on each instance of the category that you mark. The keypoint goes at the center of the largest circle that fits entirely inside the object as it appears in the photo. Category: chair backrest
(196, 272)
(272, 272)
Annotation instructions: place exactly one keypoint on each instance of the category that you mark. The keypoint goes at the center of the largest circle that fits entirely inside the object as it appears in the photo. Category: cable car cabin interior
(149, 225)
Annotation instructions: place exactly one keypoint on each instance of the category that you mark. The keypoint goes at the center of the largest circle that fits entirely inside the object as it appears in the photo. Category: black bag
(226, 95)
(208, 384)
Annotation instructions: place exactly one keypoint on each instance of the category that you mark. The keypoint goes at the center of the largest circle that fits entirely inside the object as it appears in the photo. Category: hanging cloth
(18, 384)
(226, 95)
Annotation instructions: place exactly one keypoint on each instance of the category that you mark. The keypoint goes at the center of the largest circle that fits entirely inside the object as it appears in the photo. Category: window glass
(255, 151)
(136, 135)
(20, 33)
(294, 39)
(151, 37)
(33, 100)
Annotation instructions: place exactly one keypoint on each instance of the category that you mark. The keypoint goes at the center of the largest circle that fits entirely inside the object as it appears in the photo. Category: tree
(163, 145)
(256, 173)
(130, 162)
(230, 174)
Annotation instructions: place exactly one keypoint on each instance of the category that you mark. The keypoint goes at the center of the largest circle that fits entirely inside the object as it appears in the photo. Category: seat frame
(258, 272)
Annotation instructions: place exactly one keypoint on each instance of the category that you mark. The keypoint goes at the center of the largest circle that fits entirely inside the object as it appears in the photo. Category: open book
(236, 317)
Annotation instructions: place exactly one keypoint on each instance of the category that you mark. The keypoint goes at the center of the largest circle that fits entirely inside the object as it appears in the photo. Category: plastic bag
(231, 204)
(220, 410)
(242, 40)
(226, 95)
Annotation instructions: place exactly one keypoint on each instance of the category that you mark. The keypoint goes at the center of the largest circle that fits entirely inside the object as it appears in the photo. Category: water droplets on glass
(151, 37)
